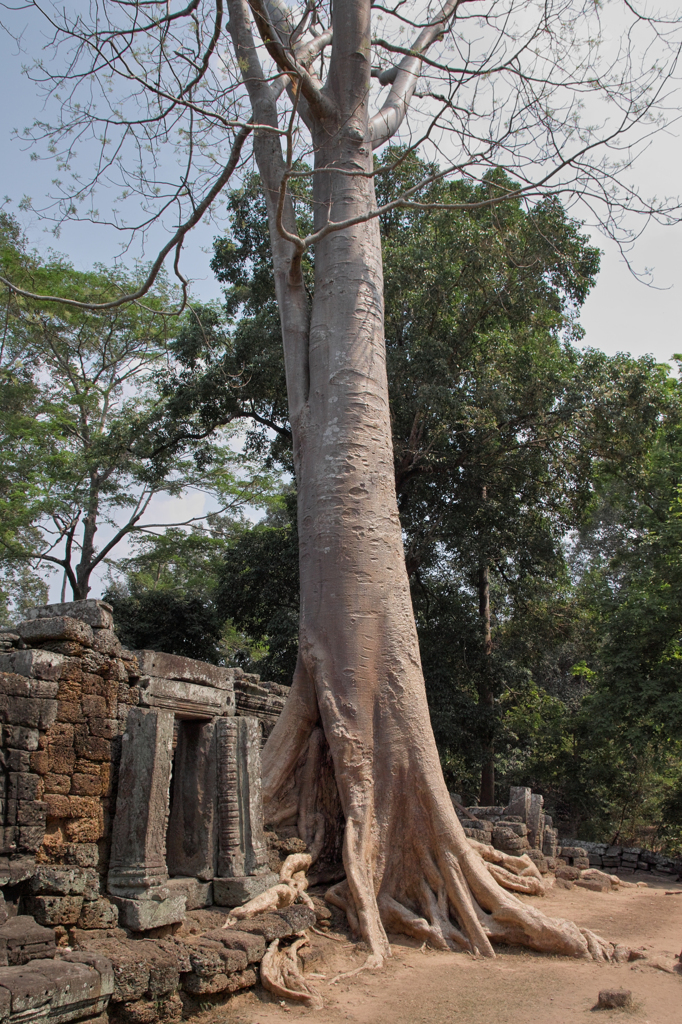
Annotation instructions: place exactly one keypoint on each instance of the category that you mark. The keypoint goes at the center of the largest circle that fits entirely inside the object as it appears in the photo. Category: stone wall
(130, 800)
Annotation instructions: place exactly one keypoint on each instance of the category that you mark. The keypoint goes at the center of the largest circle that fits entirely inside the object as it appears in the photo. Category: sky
(621, 314)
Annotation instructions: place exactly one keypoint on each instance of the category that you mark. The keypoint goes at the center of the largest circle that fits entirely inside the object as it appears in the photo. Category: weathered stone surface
(100, 913)
(52, 910)
(20, 738)
(138, 847)
(174, 666)
(101, 964)
(98, 614)
(201, 984)
(130, 968)
(197, 894)
(519, 802)
(233, 892)
(614, 998)
(535, 821)
(241, 843)
(28, 989)
(61, 628)
(255, 699)
(250, 943)
(141, 915)
(25, 940)
(298, 917)
(185, 700)
(34, 664)
(77, 990)
(270, 926)
(106, 642)
(192, 847)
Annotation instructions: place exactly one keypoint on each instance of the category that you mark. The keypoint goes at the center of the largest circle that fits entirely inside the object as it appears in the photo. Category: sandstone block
(52, 910)
(94, 748)
(187, 700)
(100, 963)
(174, 666)
(12, 685)
(85, 830)
(270, 926)
(106, 728)
(58, 628)
(96, 613)
(197, 894)
(250, 943)
(17, 760)
(34, 664)
(20, 738)
(30, 837)
(26, 940)
(192, 826)
(84, 807)
(28, 991)
(57, 805)
(60, 784)
(85, 785)
(141, 915)
(60, 735)
(61, 760)
(138, 850)
(31, 812)
(99, 914)
(233, 892)
(23, 786)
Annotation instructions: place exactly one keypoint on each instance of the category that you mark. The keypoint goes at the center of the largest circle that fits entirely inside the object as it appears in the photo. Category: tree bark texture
(485, 690)
(352, 760)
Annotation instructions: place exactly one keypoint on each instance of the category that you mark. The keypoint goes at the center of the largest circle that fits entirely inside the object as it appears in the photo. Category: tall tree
(89, 441)
(507, 84)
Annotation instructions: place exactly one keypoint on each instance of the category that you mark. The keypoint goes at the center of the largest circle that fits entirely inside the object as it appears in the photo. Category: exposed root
(292, 886)
(326, 935)
(372, 963)
(281, 975)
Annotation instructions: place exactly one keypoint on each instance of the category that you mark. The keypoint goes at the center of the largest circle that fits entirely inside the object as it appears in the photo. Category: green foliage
(86, 426)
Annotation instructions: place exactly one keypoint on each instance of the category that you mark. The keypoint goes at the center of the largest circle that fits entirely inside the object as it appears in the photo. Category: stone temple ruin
(131, 797)
(132, 815)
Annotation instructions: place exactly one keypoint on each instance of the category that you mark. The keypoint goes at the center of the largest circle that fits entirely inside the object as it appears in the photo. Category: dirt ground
(429, 987)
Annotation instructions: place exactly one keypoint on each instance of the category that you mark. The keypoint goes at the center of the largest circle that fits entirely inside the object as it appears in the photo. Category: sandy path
(441, 988)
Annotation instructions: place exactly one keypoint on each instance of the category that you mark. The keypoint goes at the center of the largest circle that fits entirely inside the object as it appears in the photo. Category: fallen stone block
(234, 892)
(77, 990)
(231, 959)
(200, 984)
(613, 998)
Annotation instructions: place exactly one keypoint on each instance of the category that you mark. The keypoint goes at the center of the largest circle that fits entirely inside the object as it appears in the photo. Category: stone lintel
(185, 700)
(174, 666)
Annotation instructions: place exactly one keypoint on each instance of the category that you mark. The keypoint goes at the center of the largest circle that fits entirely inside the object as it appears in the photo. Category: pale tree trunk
(485, 690)
(356, 726)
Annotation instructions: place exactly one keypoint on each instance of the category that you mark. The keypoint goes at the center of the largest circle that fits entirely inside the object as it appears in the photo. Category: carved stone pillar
(242, 854)
(137, 868)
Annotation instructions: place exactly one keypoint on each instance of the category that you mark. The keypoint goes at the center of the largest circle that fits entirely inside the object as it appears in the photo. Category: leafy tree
(89, 442)
(504, 84)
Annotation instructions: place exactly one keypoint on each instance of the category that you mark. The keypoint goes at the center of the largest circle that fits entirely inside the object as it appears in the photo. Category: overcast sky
(620, 315)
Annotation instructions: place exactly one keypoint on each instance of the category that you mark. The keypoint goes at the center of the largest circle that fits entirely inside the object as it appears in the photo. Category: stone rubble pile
(523, 827)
